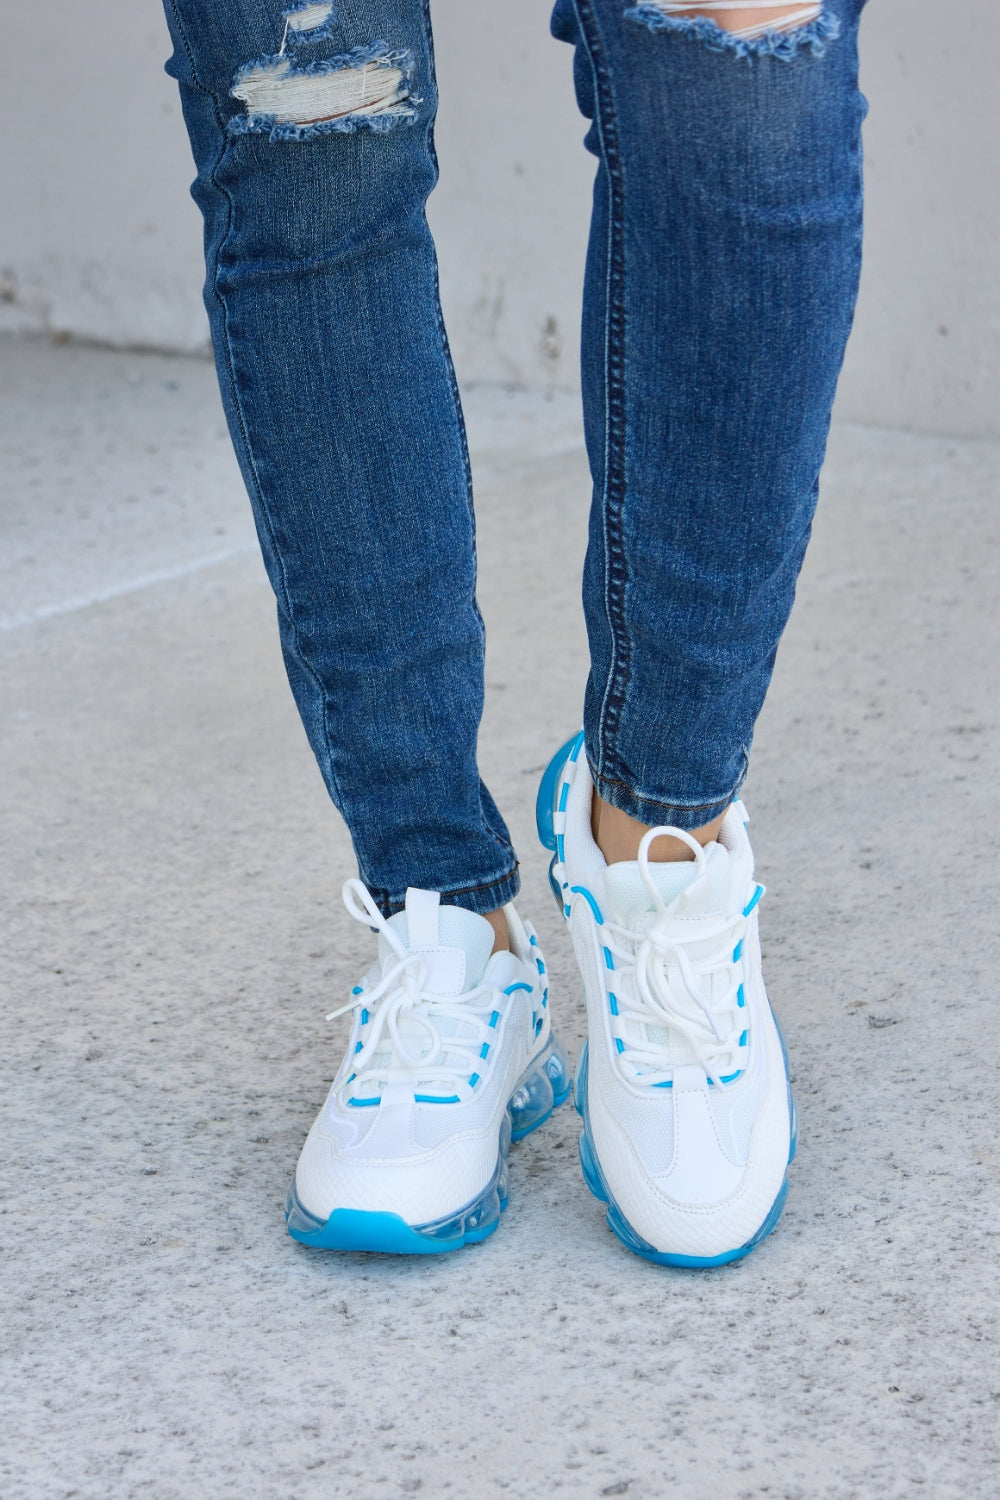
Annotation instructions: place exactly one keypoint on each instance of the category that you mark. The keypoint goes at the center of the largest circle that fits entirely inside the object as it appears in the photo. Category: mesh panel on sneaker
(650, 1126)
(630, 901)
(734, 1109)
(347, 1133)
(433, 1124)
(628, 898)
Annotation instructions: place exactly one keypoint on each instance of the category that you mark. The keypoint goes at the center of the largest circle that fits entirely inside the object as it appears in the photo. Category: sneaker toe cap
(421, 1187)
(701, 1202)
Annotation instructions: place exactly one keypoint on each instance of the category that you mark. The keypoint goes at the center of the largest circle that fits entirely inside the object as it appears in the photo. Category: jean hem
(655, 813)
(486, 896)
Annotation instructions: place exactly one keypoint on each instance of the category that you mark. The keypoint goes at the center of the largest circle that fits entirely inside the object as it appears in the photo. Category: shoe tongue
(455, 944)
(629, 900)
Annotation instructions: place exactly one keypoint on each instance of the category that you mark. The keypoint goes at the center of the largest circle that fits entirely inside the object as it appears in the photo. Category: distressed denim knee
(304, 89)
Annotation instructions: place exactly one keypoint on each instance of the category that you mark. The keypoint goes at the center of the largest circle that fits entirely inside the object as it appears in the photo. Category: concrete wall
(99, 240)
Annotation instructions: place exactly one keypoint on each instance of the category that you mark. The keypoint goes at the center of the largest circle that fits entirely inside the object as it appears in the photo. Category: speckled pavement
(173, 937)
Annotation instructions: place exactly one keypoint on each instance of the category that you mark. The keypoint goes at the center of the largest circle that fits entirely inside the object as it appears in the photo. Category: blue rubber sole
(541, 1090)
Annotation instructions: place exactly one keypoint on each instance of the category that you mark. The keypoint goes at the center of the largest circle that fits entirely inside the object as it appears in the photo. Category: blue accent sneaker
(451, 1057)
(688, 1118)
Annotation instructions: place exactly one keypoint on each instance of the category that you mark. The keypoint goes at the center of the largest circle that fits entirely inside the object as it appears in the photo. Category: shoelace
(799, 12)
(673, 990)
(387, 1056)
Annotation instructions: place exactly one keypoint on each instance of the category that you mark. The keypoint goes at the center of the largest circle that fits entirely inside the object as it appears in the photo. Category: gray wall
(99, 239)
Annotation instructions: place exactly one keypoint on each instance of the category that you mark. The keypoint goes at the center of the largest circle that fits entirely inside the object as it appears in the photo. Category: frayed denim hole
(325, 85)
(288, 130)
(815, 35)
(309, 21)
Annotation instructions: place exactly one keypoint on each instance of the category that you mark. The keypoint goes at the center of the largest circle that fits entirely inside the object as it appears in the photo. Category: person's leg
(721, 278)
(312, 132)
(618, 833)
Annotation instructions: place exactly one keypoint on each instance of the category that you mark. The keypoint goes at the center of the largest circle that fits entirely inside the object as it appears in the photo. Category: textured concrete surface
(173, 938)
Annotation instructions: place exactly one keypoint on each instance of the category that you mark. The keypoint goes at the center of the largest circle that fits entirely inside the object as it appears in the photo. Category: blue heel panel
(545, 801)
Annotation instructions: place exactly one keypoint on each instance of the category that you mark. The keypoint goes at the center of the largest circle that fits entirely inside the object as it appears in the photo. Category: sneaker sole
(542, 1088)
(546, 807)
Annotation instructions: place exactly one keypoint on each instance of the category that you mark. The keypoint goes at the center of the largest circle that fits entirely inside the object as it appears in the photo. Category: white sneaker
(451, 1057)
(689, 1122)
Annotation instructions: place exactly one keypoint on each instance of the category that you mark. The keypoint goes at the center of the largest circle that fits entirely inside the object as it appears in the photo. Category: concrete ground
(174, 937)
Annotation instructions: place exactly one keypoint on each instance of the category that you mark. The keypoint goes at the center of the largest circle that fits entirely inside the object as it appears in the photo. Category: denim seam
(237, 401)
(613, 478)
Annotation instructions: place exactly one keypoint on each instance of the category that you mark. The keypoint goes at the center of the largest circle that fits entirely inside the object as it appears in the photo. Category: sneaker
(451, 1057)
(689, 1123)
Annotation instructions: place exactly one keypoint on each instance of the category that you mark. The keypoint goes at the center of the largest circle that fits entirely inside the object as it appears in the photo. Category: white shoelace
(673, 990)
(425, 1059)
(799, 12)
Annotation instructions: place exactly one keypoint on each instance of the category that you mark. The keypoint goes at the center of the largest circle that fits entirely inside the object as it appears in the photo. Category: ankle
(501, 932)
(618, 836)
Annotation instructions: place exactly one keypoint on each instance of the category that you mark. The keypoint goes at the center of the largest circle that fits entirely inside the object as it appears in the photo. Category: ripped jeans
(720, 284)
